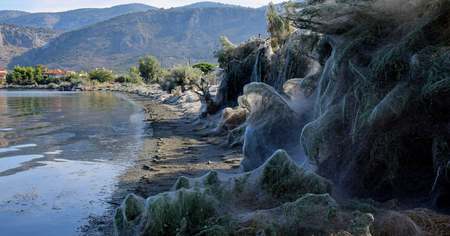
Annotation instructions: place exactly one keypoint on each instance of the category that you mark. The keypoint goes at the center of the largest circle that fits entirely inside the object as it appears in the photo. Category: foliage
(75, 79)
(202, 85)
(149, 69)
(225, 53)
(39, 74)
(278, 27)
(133, 77)
(21, 76)
(205, 67)
(181, 76)
(101, 75)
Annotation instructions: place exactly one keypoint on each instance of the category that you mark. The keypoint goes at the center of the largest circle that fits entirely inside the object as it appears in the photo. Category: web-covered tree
(278, 27)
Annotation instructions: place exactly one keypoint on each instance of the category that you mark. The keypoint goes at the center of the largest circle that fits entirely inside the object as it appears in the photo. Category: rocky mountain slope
(15, 40)
(208, 5)
(175, 36)
(7, 14)
(69, 20)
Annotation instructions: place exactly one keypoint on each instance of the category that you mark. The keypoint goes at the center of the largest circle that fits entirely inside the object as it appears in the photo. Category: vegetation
(21, 76)
(132, 77)
(188, 214)
(101, 75)
(181, 76)
(278, 27)
(205, 67)
(224, 55)
(149, 69)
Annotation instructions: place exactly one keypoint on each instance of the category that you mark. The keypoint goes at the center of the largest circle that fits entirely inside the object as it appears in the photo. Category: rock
(149, 168)
(146, 167)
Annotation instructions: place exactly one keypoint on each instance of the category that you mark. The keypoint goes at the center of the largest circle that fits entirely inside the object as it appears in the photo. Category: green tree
(205, 67)
(101, 75)
(278, 27)
(21, 76)
(149, 69)
(39, 74)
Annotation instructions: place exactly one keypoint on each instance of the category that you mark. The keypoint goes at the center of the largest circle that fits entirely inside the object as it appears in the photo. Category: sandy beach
(175, 145)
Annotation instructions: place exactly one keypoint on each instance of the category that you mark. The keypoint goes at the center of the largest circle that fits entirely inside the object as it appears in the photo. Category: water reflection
(59, 156)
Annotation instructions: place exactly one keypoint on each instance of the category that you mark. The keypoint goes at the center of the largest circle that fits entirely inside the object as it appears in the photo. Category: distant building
(55, 74)
(3, 73)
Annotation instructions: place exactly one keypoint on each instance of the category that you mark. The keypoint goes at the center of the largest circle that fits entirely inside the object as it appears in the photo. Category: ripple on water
(12, 162)
(16, 148)
(6, 129)
(40, 200)
(85, 140)
(56, 152)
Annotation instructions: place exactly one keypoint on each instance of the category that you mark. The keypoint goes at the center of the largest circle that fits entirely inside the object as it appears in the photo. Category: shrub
(225, 53)
(132, 77)
(205, 67)
(180, 76)
(150, 69)
(50, 80)
(74, 79)
(101, 75)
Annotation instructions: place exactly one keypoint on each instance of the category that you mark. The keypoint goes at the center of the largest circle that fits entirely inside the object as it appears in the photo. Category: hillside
(174, 36)
(71, 20)
(7, 14)
(209, 5)
(15, 40)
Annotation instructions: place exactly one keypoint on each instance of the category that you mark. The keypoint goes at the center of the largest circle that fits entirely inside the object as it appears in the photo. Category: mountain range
(15, 40)
(116, 37)
(69, 20)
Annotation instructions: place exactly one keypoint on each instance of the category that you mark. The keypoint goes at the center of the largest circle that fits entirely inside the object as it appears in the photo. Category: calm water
(60, 156)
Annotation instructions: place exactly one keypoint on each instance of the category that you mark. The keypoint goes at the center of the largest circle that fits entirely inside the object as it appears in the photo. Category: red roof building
(55, 73)
(3, 74)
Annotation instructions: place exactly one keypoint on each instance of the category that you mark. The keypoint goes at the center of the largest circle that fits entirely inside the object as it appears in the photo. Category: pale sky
(63, 5)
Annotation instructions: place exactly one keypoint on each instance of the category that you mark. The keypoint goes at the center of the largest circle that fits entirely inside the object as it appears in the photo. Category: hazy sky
(62, 5)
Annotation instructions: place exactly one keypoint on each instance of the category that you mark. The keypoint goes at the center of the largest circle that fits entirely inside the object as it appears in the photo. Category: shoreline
(174, 145)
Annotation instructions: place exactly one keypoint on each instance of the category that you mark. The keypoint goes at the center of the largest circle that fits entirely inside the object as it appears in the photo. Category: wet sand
(175, 146)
